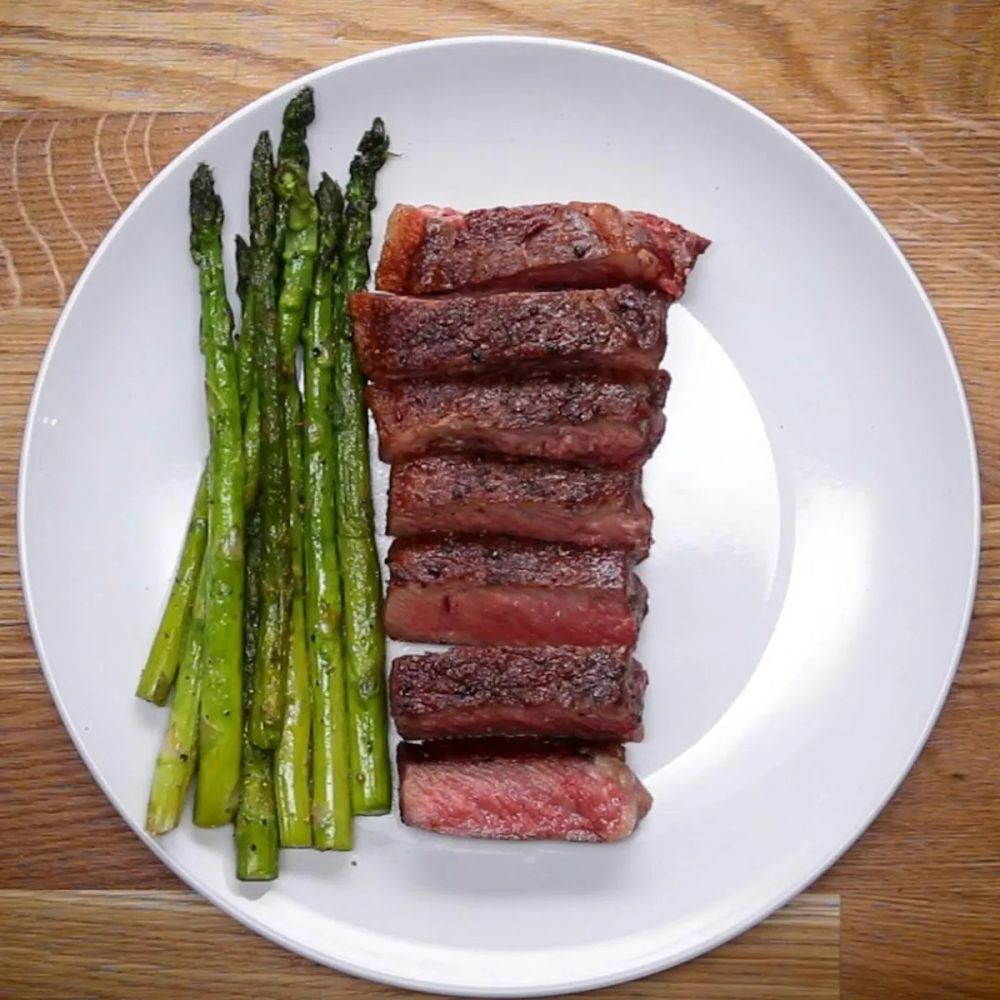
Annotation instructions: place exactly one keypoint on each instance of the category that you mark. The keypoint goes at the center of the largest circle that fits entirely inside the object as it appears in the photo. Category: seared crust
(614, 330)
(541, 500)
(583, 418)
(555, 691)
(499, 562)
(503, 591)
(404, 232)
(489, 749)
(579, 244)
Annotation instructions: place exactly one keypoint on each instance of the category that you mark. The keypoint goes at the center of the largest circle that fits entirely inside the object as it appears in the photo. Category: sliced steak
(581, 418)
(580, 245)
(505, 592)
(456, 494)
(613, 330)
(555, 692)
(520, 790)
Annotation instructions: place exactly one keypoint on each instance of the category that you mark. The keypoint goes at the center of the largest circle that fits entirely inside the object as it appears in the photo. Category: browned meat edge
(511, 592)
(579, 244)
(613, 330)
(581, 418)
(539, 500)
(554, 692)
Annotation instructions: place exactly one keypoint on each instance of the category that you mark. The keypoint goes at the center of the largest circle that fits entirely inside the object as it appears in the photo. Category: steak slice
(614, 330)
(585, 418)
(555, 692)
(505, 592)
(579, 245)
(456, 494)
(520, 790)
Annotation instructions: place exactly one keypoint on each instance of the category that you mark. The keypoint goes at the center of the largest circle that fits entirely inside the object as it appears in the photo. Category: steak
(555, 692)
(586, 418)
(580, 245)
(520, 790)
(506, 592)
(613, 330)
(455, 494)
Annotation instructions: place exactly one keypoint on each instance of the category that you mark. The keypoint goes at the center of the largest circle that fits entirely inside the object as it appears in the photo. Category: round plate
(816, 502)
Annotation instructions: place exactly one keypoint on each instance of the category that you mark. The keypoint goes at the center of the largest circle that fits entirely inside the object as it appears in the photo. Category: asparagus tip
(375, 142)
(329, 196)
(330, 206)
(263, 148)
(300, 111)
(206, 205)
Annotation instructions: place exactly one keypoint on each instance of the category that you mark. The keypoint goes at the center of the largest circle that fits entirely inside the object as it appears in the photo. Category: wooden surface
(901, 96)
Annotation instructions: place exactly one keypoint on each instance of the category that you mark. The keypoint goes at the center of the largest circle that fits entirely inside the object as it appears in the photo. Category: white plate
(816, 500)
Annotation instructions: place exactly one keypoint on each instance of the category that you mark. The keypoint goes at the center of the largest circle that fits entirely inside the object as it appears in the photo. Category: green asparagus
(251, 450)
(255, 831)
(249, 397)
(161, 666)
(364, 639)
(277, 659)
(256, 828)
(220, 731)
(291, 759)
(331, 775)
(245, 345)
(298, 115)
(268, 705)
(299, 255)
(175, 762)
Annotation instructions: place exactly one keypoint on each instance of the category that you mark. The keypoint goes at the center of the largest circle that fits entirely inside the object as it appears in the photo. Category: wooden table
(901, 96)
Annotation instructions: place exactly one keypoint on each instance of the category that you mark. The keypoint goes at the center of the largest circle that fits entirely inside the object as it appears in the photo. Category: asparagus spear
(331, 776)
(175, 762)
(256, 828)
(291, 759)
(245, 346)
(249, 397)
(364, 639)
(298, 116)
(292, 755)
(268, 704)
(161, 666)
(217, 792)
(251, 450)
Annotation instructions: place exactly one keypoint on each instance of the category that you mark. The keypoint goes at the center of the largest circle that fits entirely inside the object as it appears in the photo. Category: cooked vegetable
(246, 347)
(249, 397)
(165, 654)
(364, 640)
(299, 256)
(256, 824)
(220, 731)
(272, 637)
(175, 763)
(298, 115)
(268, 705)
(331, 774)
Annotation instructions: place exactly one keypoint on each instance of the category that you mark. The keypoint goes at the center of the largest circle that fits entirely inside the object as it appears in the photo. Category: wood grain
(835, 56)
(152, 945)
(902, 97)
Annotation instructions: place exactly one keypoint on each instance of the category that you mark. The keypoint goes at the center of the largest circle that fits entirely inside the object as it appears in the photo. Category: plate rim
(777, 900)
